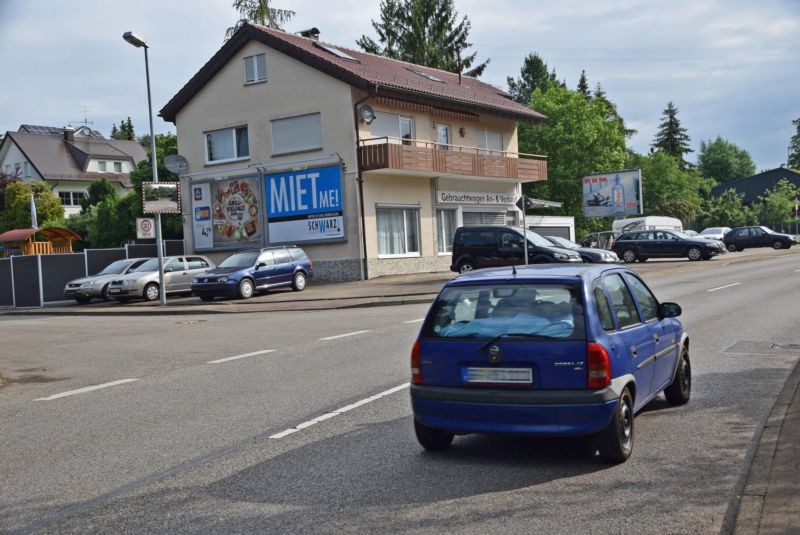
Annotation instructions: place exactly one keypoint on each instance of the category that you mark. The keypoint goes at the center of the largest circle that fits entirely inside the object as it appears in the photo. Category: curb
(745, 513)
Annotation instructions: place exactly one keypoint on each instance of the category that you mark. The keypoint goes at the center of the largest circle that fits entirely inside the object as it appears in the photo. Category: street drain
(189, 322)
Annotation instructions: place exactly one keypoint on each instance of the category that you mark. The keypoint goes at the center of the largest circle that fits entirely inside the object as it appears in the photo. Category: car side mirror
(669, 310)
(168, 269)
(260, 265)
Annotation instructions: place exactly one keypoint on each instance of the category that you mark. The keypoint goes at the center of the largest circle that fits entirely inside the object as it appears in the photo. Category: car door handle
(656, 339)
(634, 352)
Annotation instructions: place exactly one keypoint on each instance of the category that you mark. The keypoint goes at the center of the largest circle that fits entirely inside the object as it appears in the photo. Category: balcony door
(443, 136)
(395, 127)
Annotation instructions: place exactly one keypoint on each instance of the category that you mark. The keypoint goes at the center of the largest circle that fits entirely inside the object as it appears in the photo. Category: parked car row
(240, 275)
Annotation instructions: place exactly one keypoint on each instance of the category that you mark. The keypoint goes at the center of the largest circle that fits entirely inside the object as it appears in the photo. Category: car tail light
(416, 372)
(599, 366)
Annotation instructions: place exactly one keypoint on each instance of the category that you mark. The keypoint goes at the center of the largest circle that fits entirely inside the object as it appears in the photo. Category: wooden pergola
(31, 241)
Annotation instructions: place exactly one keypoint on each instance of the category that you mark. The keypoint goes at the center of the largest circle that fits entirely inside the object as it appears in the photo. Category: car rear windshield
(535, 311)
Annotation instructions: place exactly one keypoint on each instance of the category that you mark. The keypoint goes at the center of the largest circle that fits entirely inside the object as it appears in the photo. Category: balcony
(427, 158)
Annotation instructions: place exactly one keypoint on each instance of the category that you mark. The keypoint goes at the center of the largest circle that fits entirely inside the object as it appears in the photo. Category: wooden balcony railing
(427, 157)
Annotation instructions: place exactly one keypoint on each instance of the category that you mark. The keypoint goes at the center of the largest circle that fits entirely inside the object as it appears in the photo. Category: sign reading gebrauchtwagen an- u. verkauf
(612, 194)
(305, 206)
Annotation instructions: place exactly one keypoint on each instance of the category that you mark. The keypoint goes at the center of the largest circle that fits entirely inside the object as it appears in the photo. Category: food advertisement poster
(305, 206)
(614, 194)
(235, 206)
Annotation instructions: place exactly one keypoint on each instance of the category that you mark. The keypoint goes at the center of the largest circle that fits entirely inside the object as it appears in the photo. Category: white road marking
(797, 270)
(339, 411)
(722, 287)
(244, 356)
(86, 389)
(343, 335)
(415, 321)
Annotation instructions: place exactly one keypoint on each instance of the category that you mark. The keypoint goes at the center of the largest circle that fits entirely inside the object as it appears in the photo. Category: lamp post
(138, 42)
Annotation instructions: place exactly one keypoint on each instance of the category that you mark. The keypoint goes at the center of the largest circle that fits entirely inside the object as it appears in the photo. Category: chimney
(69, 134)
(311, 33)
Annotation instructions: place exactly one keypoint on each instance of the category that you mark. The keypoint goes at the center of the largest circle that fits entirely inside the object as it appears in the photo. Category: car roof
(534, 272)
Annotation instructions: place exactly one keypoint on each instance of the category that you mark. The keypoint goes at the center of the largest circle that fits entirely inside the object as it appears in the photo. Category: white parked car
(142, 283)
(85, 289)
(715, 233)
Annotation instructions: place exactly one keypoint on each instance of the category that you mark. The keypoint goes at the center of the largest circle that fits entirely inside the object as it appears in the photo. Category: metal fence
(37, 280)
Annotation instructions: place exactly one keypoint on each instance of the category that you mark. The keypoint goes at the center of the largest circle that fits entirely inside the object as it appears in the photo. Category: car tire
(246, 289)
(679, 391)
(432, 439)
(616, 441)
(150, 292)
(587, 260)
(694, 253)
(777, 244)
(83, 300)
(629, 256)
(732, 247)
(206, 298)
(299, 282)
(104, 294)
(466, 266)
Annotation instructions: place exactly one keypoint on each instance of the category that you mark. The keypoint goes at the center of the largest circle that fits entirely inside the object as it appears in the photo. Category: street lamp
(138, 42)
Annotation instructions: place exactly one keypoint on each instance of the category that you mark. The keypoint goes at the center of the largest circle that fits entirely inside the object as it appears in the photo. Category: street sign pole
(523, 204)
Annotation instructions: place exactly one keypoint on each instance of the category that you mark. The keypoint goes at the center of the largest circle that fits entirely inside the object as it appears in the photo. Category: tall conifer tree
(532, 75)
(671, 138)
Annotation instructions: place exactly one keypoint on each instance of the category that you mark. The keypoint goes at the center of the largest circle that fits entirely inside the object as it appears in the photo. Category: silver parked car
(85, 289)
(142, 283)
(715, 233)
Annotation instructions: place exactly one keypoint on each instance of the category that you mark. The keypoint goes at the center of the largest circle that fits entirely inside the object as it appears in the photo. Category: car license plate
(69, 292)
(114, 290)
(498, 375)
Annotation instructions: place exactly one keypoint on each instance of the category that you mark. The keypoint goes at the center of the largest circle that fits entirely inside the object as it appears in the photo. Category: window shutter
(249, 74)
(296, 134)
(385, 125)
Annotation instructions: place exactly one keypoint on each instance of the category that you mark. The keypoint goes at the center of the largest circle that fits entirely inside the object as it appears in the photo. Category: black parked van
(483, 247)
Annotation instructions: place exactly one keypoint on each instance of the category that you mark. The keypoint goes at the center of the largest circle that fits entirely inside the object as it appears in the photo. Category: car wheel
(151, 292)
(628, 255)
(207, 297)
(104, 294)
(432, 439)
(587, 260)
(777, 244)
(616, 442)
(694, 253)
(642, 259)
(246, 289)
(83, 300)
(466, 267)
(678, 392)
(732, 247)
(299, 283)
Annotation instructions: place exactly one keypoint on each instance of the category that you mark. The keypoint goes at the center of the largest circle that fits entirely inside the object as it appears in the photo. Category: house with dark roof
(69, 160)
(370, 163)
(754, 186)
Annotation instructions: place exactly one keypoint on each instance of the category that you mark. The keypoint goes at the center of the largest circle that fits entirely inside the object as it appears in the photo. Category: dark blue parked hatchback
(546, 351)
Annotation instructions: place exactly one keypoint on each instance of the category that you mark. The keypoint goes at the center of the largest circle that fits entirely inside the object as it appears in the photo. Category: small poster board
(161, 197)
(145, 228)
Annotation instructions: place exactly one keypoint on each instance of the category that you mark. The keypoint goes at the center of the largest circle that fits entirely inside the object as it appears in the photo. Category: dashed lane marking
(85, 389)
(723, 287)
(415, 321)
(343, 335)
(243, 356)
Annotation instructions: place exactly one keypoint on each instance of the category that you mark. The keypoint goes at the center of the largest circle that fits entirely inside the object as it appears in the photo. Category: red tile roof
(375, 75)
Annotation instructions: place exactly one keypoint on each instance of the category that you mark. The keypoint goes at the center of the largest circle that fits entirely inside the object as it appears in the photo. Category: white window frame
(101, 166)
(311, 146)
(258, 76)
(482, 141)
(449, 136)
(117, 165)
(440, 250)
(415, 208)
(232, 130)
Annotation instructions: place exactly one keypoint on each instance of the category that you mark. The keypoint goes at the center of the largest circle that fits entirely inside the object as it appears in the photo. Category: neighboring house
(370, 163)
(69, 160)
(757, 185)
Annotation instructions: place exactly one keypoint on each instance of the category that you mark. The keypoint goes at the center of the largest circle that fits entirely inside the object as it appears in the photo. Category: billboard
(614, 194)
(305, 206)
(161, 198)
(226, 213)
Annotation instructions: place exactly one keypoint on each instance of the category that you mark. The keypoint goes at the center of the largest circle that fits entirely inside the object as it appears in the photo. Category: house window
(490, 142)
(445, 229)
(393, 126)
(226, 145)
(71, 198)
(398, 231)
(255, 69)
(443, 136)
(117, 167)
(101, 166)
(297, 134)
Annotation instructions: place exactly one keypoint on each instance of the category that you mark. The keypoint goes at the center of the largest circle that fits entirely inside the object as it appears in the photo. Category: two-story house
(69, 160)
(370, 163)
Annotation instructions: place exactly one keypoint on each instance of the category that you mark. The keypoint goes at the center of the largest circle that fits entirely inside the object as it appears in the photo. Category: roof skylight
(426, 75)
(336, 52)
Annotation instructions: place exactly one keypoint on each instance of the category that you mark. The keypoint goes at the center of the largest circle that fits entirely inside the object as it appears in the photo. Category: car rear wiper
(517, 335)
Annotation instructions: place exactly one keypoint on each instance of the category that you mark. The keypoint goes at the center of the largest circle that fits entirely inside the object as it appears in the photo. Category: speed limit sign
(145, 228)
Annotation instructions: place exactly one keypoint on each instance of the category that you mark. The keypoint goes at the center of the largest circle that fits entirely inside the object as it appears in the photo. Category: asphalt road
(299, 422)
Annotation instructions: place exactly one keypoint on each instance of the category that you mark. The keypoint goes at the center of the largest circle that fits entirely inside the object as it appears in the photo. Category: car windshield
(543, 311)
(150, 265)
(679, 234)
(240, 260)
(563, 242)
(115, 268)
(536, 239)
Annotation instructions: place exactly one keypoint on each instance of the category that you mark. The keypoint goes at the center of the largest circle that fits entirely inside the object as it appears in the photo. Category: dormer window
(255, 69)
(117, 167)
(101, 166)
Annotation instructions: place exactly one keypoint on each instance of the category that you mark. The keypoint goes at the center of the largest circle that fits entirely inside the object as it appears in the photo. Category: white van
(647, 223)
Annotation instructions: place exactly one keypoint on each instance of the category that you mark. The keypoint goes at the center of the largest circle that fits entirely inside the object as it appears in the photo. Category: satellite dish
(367, 113)
(176, 163)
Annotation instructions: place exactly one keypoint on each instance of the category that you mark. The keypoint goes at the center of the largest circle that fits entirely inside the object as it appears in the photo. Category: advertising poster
(305, 206)
(201, 215)
(235, 207)
(614, 194)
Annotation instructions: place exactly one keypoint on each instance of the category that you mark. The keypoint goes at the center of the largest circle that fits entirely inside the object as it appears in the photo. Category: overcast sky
(732, 67)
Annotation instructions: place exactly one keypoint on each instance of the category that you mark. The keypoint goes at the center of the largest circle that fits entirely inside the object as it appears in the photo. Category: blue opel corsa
(550, 350)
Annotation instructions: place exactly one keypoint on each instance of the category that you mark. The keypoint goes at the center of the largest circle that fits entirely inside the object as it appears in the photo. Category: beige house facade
(369, 164)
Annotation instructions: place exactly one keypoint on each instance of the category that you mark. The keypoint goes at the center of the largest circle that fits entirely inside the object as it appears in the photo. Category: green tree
(793, 160)
(671, 138)
(97, 192)
(776, 205)
(583, 86)
(258, 12)
(723, 161)
(533, 74)
(125, 130)
(578, 139)
(114, 131)
(424, 32)
(727, 210)
(17, 204)
(667, 189)
(5, 180)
